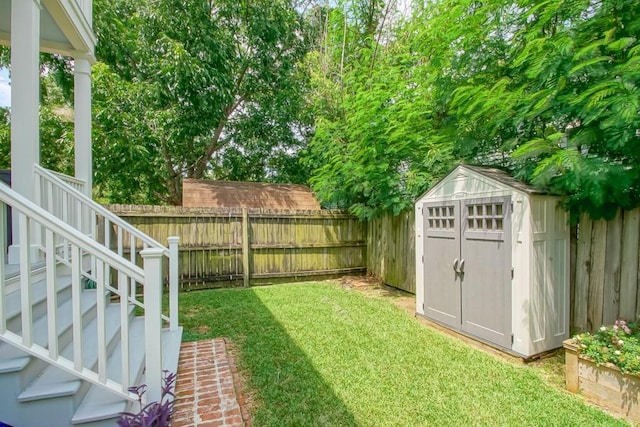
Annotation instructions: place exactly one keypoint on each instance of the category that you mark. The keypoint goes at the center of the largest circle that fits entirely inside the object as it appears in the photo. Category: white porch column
(25, 91)
(82, 129)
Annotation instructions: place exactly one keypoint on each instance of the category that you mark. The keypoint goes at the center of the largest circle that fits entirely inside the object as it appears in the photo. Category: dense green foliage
(210, 90)
(565, 105)
(317, 354)
(56, 125)
(547, 90)
(375, 145)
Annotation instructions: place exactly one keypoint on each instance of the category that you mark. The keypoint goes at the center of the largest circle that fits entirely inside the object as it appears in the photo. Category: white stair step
(100, 405)
(12, 275)
(55, 382)
(13, 359)
(15, 363)
(171, 341)
(38, 294)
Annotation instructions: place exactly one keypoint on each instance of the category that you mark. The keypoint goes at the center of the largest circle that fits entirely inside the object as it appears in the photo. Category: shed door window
(485, 217)
(441, 217)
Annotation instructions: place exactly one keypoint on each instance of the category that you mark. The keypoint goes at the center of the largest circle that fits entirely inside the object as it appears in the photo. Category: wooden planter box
(605, 385)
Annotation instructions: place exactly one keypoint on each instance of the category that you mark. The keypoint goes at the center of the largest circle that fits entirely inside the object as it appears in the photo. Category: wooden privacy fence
(391, 250)
(222, 247)
(606, 284)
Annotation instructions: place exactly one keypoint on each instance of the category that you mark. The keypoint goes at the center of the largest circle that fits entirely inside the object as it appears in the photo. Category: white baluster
(101, 321)
(120, 242)
(66, 218)
(107, 244)
(65, 207)
(132, 248)
(123, 287)
(76, 299)
(173, 282)
(52, 294)
(78, 218)
(25, 280)
(3, 251)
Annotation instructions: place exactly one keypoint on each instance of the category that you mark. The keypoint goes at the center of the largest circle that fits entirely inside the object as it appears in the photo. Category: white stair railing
(62, 197)
(61, 243)
(74, 182)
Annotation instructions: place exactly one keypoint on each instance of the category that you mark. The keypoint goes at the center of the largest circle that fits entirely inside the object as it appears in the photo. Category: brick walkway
(207, 388)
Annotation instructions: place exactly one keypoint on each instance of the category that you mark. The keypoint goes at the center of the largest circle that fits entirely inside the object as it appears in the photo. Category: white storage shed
(492, 260)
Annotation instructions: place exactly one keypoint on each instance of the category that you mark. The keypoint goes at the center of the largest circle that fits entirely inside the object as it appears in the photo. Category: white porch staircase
(74, 332)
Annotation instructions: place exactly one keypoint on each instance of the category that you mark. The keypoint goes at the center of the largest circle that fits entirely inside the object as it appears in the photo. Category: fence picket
(579, 321)
(611, 283)
(596, 278)
(629, 265)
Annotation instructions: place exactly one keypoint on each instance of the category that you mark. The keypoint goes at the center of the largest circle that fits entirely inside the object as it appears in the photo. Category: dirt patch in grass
(192, 312)
(203, 329)
(373, 287)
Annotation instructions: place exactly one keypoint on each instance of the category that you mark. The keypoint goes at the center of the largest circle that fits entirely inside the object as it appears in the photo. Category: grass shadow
(284, 385)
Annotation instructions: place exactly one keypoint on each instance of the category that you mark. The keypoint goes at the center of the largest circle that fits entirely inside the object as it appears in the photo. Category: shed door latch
(511, 273)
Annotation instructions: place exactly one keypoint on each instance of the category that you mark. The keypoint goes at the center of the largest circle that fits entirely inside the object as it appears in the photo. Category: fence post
(152, 261)
(245, 246)
(173, 282)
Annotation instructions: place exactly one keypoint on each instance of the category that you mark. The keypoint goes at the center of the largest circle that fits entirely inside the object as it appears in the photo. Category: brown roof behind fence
(198, 193)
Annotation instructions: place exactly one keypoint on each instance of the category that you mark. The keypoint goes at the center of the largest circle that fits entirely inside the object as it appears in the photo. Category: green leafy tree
(374, 148)
(56, 120)
(561, 108)
(588, 93)
(547, 90)
(210, 90)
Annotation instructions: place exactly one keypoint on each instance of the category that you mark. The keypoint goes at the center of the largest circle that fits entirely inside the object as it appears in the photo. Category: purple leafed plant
(153, 414)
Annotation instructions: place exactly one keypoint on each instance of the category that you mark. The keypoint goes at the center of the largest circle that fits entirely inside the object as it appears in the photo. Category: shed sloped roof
(232, 194)
(504, 178)
(487, 174)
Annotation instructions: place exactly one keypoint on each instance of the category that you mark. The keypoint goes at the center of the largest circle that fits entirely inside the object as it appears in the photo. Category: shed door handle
(455, 265)
(461, 266)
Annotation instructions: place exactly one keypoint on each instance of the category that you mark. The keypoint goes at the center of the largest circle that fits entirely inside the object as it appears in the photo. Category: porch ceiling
(63, 28)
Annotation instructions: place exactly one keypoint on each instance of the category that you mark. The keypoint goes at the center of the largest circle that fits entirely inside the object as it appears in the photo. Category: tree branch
(213, 146)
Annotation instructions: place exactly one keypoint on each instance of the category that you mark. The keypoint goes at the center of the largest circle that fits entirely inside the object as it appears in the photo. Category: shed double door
(467, 263)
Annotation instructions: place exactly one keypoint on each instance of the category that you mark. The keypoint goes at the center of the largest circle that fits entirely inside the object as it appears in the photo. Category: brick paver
(207, 387)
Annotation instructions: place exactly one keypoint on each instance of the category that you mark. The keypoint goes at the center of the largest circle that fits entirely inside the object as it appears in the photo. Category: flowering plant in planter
(618, 345)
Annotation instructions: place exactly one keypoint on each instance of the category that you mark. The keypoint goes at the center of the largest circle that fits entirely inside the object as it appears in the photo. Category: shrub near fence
(226, 247)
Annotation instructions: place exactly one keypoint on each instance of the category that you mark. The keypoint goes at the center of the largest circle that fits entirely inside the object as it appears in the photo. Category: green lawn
(316, 354)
